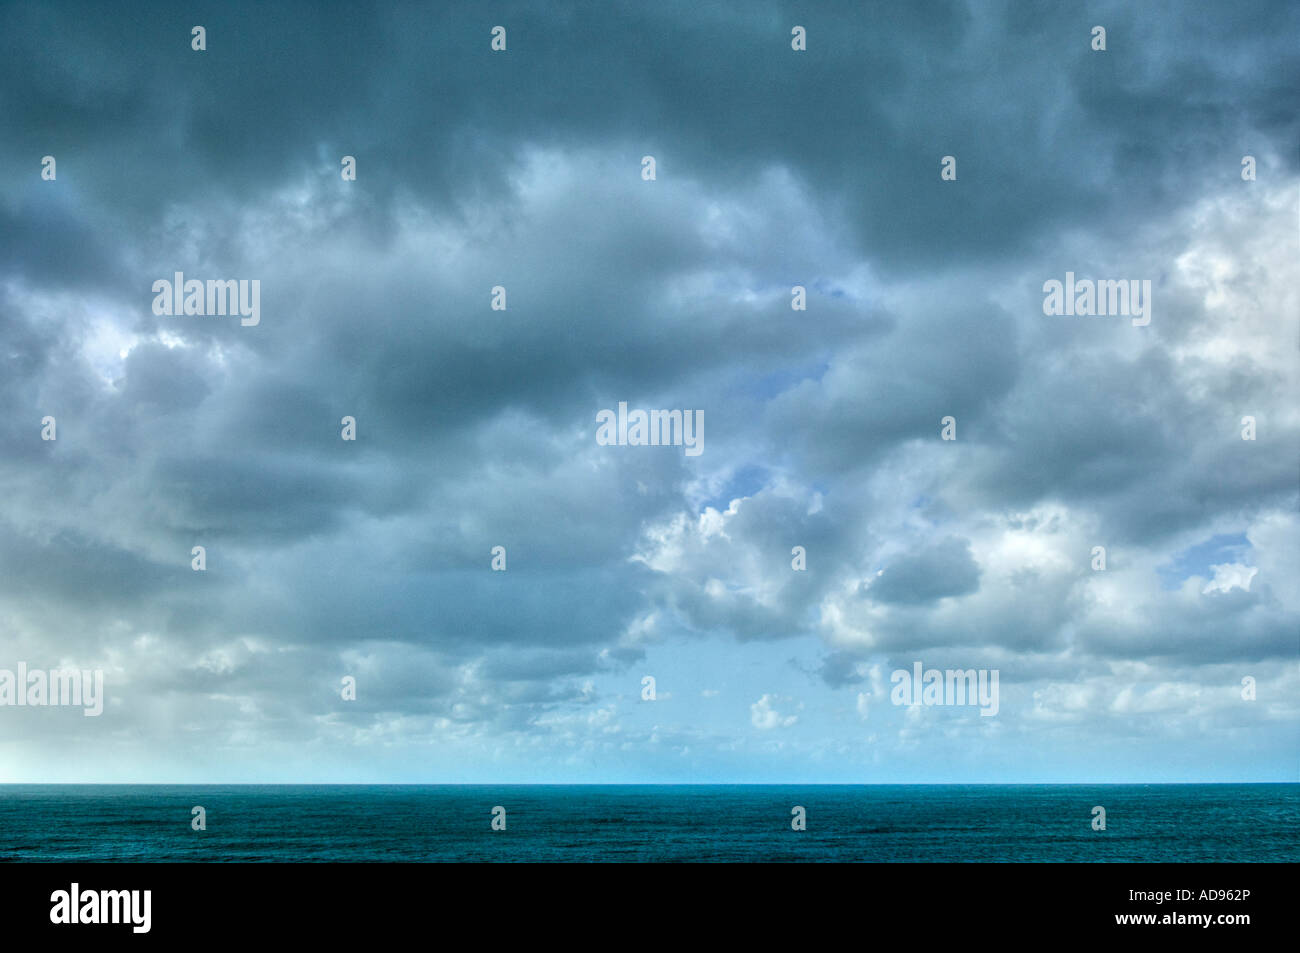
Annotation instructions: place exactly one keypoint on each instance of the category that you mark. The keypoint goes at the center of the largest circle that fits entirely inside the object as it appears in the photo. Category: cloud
(944, 568)
(476, 427)
(764, 716)
(1230, 575)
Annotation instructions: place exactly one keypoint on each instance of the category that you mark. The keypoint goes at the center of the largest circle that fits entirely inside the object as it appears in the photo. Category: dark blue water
(1149, 823)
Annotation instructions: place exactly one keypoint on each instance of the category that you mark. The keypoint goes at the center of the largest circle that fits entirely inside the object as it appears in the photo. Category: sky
(371, 559)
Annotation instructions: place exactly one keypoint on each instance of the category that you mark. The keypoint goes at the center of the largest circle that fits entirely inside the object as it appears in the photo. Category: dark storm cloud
(944, 568)
(418, 96)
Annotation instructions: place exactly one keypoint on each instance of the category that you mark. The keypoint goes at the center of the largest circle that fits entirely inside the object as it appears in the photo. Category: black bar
(610, 902)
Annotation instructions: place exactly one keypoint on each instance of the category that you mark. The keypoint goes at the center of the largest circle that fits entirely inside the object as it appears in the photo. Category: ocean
(656, 823)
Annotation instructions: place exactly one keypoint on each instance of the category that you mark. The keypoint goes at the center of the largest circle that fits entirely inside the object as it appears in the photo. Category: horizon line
(678, 784)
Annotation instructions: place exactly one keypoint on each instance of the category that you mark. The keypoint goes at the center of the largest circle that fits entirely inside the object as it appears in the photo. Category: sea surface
(672, 823)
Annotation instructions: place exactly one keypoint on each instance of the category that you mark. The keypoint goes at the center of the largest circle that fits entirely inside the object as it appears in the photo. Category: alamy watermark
(933, 686)
(75, 905)
(1128, 297)
(651, 428)
(227, 296)
(57, 687)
